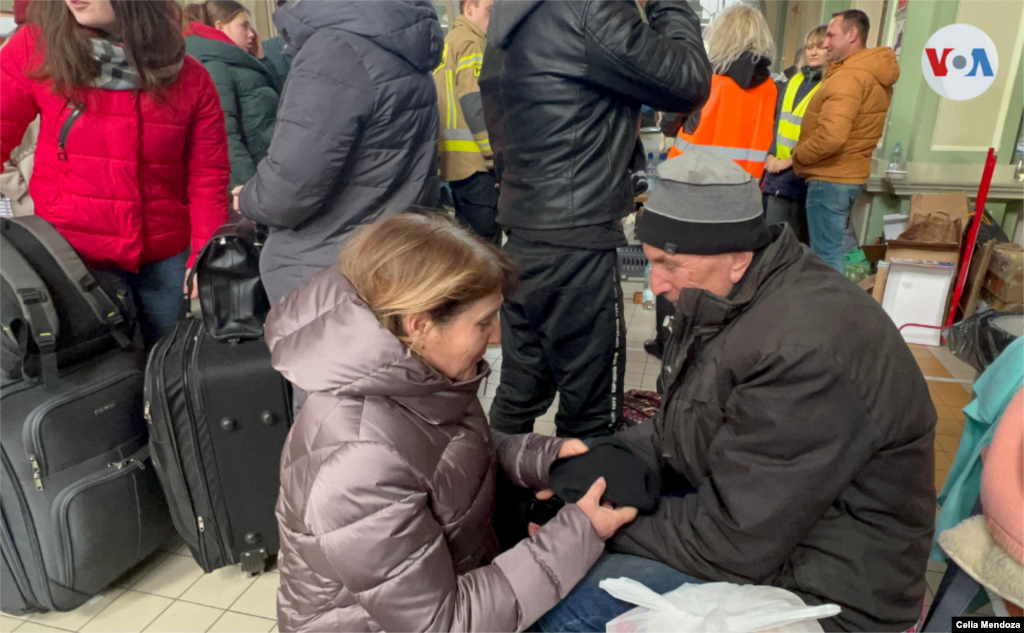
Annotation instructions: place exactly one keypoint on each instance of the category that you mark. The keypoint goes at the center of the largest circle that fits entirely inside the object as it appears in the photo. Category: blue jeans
(828, 208)
(158, 290)
(589, 608)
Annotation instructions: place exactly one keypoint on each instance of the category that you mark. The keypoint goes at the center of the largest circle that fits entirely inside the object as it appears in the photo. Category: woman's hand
(572, 448)
(256, 46)
(193, 292)
(605, 518)
(783, 165)
(234, 196)
(770, 163)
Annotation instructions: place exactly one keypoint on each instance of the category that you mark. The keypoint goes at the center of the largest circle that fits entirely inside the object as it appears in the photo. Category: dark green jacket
(249, 91)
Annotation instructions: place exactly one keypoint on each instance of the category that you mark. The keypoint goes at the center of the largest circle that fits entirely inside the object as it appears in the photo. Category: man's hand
(605, 518)
(572, 448)
(770, 163)
(783, 165)
(234, 195)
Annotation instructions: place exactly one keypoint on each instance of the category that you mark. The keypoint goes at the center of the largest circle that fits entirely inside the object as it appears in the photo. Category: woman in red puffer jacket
(132, 164)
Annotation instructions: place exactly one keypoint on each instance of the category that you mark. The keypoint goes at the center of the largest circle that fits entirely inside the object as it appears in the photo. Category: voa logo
(960, 62)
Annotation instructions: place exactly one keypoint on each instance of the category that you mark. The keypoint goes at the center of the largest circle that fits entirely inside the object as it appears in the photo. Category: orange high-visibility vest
(735, 123)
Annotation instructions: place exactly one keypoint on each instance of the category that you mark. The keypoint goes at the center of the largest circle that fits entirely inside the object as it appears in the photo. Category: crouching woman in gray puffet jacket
(388, 475)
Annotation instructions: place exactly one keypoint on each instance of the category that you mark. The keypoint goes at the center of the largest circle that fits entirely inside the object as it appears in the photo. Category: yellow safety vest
(790, 118)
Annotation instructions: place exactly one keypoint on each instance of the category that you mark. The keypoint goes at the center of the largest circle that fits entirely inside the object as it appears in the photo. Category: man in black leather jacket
(562, 85)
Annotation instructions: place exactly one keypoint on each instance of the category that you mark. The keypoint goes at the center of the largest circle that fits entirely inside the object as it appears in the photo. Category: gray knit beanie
(703, 205)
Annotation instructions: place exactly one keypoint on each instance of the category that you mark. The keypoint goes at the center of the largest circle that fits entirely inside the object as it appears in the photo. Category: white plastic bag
(713, 607)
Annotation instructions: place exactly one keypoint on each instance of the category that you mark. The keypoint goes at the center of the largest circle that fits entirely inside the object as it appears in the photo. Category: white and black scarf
(115, 71)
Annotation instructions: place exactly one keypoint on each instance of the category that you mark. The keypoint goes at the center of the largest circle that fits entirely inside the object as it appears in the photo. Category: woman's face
(239, 30)
(816, 55)
(93, 14)
(457, 347)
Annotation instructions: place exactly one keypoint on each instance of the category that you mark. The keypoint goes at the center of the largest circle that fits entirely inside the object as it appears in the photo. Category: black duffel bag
(231, 295)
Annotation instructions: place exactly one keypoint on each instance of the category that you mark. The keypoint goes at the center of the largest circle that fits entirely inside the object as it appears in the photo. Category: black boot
(654, 347)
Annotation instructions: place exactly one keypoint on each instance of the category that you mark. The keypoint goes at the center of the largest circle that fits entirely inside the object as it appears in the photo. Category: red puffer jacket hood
(127, 177)
(201, 30)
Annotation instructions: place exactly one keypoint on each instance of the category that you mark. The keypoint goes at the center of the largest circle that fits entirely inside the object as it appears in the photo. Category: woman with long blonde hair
(738, 120)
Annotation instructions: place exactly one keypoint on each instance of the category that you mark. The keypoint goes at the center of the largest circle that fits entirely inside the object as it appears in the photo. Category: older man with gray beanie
(796, 438)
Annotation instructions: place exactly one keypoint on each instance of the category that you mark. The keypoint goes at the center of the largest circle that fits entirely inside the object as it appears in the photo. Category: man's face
(717, 274)
(837, 43)
(479, 13)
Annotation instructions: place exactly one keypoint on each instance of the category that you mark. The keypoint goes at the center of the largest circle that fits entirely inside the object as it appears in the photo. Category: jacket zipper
(65, 129)
(38, 456)
(156, 367)
(114, 470)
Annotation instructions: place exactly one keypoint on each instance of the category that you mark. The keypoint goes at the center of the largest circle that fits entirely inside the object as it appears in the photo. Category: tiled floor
(170, 593)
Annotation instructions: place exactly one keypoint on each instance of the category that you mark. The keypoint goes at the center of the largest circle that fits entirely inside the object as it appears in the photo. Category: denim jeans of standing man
(589, 608)
(828, 209)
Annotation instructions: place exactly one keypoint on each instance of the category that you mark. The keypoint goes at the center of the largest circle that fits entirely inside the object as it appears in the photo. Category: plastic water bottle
(896, 158)
(648, 294)
(652, 172)
(1018, 159)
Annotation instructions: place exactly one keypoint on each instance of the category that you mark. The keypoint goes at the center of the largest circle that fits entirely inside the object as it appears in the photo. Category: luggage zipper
(114, 470)
(65, 130)
(38, 457)
(185, 358)
(30, 530)
(155, 368)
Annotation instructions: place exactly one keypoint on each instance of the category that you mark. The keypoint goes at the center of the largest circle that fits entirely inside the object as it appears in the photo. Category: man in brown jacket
(841, 129)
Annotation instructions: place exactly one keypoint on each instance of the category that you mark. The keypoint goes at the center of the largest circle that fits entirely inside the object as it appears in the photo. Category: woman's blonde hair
(816, 36)
(738, 29)
(423, 263)
(212, 11)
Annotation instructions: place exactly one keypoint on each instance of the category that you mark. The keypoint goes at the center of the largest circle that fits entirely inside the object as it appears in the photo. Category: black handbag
(231, 295)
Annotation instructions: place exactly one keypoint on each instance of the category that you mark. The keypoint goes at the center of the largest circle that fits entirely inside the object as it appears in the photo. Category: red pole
(972, 235)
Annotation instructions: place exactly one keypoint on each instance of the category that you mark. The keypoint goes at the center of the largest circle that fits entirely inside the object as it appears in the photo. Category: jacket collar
(708, 310)
(469, 24)
(206, 32)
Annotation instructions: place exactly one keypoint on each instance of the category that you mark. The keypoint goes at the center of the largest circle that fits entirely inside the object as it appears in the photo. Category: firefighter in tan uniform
(467, 163)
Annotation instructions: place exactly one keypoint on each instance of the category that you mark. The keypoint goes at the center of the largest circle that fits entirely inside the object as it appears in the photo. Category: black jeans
(476, 205)
(562, 331)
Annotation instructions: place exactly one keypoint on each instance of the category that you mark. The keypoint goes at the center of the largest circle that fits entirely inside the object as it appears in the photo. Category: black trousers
(476, 205)
(562, 331)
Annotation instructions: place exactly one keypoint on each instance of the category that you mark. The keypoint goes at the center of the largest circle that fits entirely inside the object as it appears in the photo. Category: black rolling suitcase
(80, 503)
(219, 414)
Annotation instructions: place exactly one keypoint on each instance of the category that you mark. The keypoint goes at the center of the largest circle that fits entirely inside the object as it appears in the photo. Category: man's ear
(738, 265)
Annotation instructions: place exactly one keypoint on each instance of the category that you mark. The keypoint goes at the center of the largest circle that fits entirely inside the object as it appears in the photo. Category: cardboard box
(955, 205)
(1008, 291)
(919, 296)
(1007, 262)
(998, 304)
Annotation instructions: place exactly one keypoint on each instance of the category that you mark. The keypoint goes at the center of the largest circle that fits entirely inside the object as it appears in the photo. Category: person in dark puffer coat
(249, 85)
(356, 133)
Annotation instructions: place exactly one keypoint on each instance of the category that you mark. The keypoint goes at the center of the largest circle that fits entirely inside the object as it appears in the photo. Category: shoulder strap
(36, 305)
(101, 304)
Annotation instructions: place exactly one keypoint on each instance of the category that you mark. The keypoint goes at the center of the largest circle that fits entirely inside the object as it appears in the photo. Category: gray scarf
(115, 71)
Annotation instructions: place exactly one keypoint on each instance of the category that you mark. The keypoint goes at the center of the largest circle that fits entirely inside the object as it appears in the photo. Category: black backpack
(54, 311)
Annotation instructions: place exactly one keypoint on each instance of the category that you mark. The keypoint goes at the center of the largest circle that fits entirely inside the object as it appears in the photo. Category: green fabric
(249, 90)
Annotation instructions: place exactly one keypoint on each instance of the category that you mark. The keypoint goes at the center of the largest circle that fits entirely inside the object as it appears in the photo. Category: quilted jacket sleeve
(759, 466)
(209, 168)
(16, 101)
(243, 167)
(840, 98)
(526, 458)
(369, 511)
(320, 122)
(662, 65)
